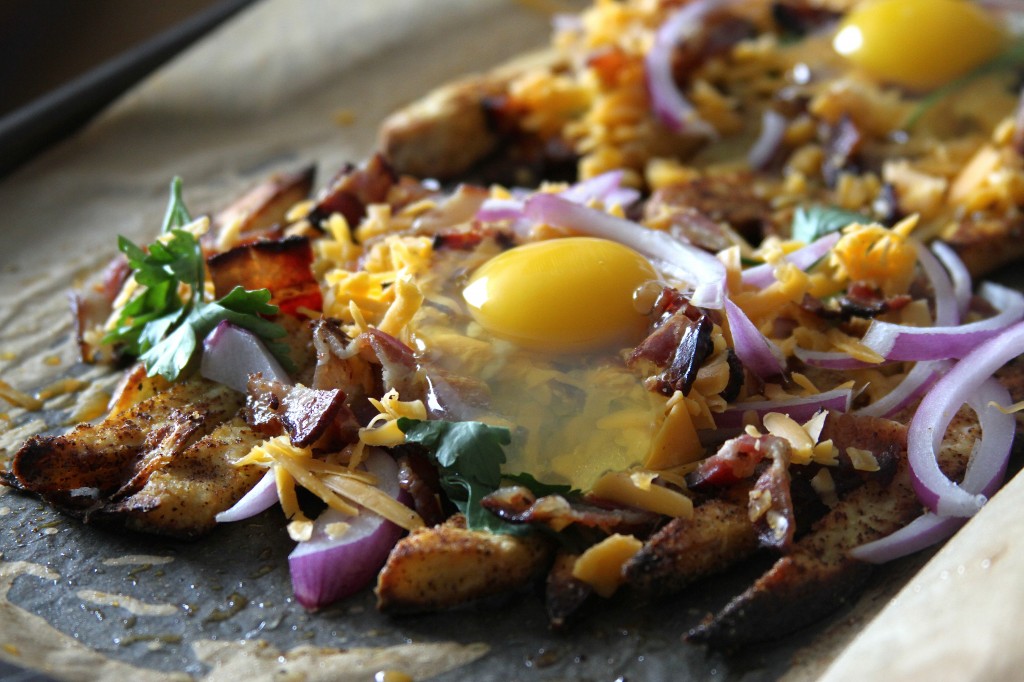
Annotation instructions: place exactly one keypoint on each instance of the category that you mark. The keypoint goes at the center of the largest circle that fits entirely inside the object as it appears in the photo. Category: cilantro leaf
(167, 319)
(539, 488)
(814, 222)
(469, 456)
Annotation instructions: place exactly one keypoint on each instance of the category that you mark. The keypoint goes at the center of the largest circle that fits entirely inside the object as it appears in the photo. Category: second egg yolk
(920, 44)
(562, 295)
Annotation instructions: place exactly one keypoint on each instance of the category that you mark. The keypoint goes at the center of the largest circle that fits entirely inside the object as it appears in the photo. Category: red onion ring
(231, 354)
(961, 277)
(827, 359)
(669, 105)
(606, 187)
(325, 569)
(997, 431)
(773, 128)
(918, 380)
(897, 342)
(677, 259)
(494, 209)
(946, 309)
(260, 497)
(799, 408)
(763, 275)
(937, 409)
(755, 351)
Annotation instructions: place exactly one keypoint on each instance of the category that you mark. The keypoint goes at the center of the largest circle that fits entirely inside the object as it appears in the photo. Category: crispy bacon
(367, 366)
(516, 504)
(770, 500)
(861, 300)
(419, 478)
(736, 460)
(717, 36)
(353, 189)
(680, 342)
(307, 415)
(281, 266)
(842, 146)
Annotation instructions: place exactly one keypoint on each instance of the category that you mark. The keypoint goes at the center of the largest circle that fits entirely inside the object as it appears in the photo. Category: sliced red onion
(946, 310)
(918, 380)
(997, 431)
(326, 569)
(668, 103)
(231, 354)
(755, 351)
(494, 209)
(696, 267)
(896, 342)
(773, 129)
(763, 275)
(606, 187)
(827, 359)
(597, 187)
(260, 498)
(958, 272)
(937, 409)
(800, 408)
(924, 531)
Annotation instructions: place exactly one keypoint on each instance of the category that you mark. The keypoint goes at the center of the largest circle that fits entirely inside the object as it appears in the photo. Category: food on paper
(747, 323)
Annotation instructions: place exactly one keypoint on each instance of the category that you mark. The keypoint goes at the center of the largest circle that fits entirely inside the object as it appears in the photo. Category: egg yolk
(562, 295)
(920, 44)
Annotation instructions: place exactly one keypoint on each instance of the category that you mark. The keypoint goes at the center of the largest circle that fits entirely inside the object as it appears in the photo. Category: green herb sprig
(469, 456)
(816, 221)
(164, 323)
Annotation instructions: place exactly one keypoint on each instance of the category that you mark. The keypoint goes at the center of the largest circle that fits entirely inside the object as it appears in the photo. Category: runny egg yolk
(920, 44)
(562, 295)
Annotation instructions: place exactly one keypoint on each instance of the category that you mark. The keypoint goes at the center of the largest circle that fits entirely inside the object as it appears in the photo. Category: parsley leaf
(814, 222)
(165, 322)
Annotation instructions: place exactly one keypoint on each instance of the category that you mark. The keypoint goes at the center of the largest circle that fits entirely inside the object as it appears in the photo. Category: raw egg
(561, 295)
(920, 44)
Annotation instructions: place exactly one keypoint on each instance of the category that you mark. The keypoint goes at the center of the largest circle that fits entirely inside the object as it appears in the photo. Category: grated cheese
(600, 566)
(863, 460)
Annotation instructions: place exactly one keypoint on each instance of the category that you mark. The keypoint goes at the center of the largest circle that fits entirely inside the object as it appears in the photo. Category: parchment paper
(263, 94)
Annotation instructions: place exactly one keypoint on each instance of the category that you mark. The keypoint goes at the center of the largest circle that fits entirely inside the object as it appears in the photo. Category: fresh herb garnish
(164, 323)
(539, 488)
(469, 456)
(814, 222)
(1009, 58)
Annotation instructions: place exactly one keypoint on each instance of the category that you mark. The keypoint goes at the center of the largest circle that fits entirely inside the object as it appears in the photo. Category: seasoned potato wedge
(447, 565)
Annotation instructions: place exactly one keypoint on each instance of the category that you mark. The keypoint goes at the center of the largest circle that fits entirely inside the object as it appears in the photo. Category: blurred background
(64, 60)
(50, 42)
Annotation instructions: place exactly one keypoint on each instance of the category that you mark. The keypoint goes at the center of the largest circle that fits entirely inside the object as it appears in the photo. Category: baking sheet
(262, 94)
